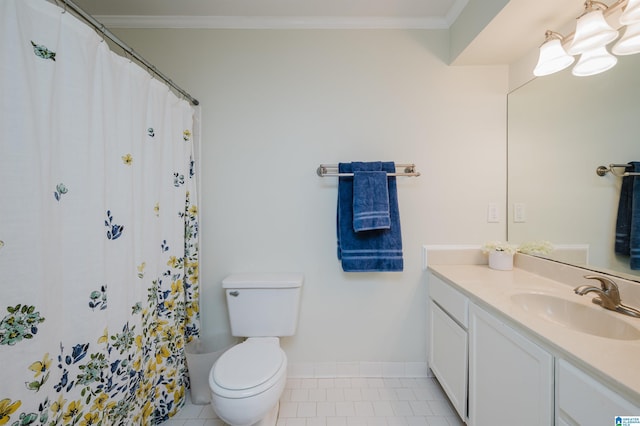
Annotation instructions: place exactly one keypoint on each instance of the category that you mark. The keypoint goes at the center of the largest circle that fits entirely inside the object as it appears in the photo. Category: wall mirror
(560, 129)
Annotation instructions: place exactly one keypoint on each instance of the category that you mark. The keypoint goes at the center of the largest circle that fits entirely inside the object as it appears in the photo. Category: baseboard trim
(305, 370)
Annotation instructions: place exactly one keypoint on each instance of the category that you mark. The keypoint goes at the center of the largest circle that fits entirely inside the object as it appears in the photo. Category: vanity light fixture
(631, 13)
(553, 57)
(593, 62)
(629, 43)
(590, 39)
(592, 29)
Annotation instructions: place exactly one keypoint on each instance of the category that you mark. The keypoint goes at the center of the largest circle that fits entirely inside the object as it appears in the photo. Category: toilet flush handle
(234, 293)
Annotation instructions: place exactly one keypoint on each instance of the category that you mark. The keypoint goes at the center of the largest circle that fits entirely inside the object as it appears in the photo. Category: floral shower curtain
(98, 229)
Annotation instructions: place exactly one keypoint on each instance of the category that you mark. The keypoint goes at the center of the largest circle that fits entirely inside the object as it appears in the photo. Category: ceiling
(425, 9)
(517, 29)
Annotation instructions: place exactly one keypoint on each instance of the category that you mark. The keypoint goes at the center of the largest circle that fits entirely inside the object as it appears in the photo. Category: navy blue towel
(368, 251)
(627, 241)
(370, 197)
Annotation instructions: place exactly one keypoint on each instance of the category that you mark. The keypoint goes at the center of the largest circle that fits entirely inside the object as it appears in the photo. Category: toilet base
(271, 418)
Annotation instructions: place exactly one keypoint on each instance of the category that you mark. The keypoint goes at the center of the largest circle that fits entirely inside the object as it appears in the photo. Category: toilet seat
(248, 369)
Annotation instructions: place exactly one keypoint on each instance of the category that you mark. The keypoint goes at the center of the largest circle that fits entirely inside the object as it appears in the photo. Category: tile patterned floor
(348, 402)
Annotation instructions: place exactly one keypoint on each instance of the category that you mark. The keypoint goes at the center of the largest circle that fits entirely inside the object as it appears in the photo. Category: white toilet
(247, 380)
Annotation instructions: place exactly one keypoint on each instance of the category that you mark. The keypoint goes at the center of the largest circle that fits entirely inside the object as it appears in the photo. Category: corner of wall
(473, 19)
(521, 71)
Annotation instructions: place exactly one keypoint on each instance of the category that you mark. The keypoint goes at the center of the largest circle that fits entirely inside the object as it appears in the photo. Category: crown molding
(455, 11)
(272, 22)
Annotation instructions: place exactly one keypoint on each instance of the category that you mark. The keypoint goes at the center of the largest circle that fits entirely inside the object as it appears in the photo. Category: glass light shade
(592, 31)
(553, 58)
(631, 13)
(629, 43)
(594, 62)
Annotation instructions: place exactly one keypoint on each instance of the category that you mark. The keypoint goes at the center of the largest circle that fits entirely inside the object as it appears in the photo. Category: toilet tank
(263, 305)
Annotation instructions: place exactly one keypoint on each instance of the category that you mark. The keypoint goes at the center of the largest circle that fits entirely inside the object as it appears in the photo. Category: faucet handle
(609, 287)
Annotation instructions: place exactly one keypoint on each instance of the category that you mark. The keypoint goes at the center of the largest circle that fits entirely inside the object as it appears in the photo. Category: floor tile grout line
(347, 402)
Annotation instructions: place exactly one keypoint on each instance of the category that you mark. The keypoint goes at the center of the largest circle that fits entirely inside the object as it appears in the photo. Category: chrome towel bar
(332, 170)
(603, 170)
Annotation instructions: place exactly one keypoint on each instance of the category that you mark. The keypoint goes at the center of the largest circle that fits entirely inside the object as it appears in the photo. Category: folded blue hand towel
(627, 241)
(370, 197)
(368, 251)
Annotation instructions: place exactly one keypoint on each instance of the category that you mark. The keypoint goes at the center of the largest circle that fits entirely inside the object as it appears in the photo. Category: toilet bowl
(247, 381)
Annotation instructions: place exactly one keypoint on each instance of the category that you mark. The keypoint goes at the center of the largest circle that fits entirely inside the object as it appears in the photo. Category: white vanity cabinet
(495, 373)
(510, 377)
(580, 399)
(448, 351)
(492, 374)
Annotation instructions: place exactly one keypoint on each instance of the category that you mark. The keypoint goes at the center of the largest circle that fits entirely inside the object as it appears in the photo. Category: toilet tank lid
(263, 280)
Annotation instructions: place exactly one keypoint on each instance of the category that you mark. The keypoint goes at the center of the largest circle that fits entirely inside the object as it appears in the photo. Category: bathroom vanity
(518, 347)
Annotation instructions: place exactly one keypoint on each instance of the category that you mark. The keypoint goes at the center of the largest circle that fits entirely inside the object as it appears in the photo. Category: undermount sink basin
(576, 316)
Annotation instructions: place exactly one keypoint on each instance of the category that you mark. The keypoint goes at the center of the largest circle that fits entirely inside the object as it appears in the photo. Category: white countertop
(614, 362)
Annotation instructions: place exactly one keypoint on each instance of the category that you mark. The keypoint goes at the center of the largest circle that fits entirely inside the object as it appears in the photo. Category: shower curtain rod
(101, 28)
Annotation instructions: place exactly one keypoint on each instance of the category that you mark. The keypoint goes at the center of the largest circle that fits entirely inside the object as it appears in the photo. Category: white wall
(276, 104)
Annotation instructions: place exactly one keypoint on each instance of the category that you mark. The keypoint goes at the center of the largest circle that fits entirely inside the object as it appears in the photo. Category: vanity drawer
(454, 303)
(580, 399)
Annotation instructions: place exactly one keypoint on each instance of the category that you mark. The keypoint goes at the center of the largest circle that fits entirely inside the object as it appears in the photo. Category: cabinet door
(448, 357)
(510, 377)
(583, 400)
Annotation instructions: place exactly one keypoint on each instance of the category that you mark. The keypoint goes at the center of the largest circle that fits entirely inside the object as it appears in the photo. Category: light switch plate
(493, 215)
(519, 215)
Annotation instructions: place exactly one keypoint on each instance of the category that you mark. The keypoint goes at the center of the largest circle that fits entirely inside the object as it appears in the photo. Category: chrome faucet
(608, 295)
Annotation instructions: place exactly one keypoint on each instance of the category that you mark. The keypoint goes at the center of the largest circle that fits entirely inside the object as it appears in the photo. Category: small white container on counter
(501, 260)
